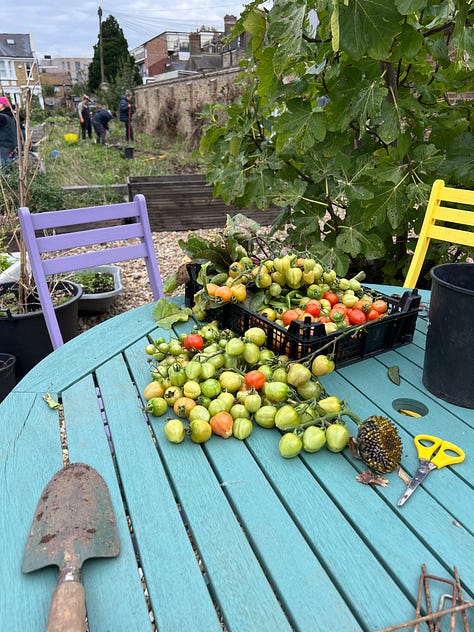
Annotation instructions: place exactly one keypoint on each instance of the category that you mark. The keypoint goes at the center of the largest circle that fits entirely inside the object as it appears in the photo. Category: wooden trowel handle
(68, 608)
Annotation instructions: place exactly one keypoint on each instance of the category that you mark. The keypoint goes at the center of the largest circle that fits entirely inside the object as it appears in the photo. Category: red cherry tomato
(373, 314)
(357, 317)
(313, 307)
(332, 297)
(255, 379)
(193, 342)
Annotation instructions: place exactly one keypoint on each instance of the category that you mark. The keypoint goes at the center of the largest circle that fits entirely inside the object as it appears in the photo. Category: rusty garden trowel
(74, 521)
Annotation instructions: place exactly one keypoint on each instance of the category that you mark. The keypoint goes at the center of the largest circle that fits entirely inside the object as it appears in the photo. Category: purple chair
(69, 220)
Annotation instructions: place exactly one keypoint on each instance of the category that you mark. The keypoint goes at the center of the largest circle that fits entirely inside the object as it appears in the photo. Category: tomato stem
(326, 419)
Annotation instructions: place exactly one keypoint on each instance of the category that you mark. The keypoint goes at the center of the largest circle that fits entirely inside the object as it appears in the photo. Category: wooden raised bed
(185, 202)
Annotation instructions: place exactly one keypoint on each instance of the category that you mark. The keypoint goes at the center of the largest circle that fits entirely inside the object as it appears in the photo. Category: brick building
(18, 67)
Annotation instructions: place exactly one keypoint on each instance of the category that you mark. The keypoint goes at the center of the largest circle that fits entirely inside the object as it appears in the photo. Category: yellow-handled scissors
(432, 454)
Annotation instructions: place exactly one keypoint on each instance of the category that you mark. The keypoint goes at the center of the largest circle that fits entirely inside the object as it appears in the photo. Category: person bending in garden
(126, 111)
(100, 122)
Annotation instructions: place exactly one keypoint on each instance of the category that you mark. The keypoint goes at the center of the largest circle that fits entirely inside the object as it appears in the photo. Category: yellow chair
(436, 212)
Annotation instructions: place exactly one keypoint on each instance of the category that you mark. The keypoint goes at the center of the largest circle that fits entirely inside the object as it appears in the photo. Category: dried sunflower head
(378, 444)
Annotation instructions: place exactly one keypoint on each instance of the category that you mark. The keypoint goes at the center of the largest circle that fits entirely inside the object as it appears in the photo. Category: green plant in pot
(23, 331)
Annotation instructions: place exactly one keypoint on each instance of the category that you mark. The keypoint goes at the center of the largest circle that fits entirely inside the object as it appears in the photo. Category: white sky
(70, 29)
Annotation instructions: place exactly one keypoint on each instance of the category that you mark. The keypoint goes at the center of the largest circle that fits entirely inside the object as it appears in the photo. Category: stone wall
(171, 107)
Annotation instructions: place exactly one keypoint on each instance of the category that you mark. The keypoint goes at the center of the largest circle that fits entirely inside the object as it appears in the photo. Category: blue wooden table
(229, 535)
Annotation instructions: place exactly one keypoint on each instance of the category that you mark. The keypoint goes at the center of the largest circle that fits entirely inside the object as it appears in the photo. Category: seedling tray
(304, 338)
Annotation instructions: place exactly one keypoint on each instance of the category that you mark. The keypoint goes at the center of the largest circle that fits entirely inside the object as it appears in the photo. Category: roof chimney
(195, 43)
(229, 23)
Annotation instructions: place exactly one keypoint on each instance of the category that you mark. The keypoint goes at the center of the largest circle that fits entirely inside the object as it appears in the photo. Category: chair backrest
(438, 210)
(135, 237)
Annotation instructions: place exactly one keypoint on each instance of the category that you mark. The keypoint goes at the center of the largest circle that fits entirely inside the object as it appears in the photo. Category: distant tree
(124, 80)
(115, 56)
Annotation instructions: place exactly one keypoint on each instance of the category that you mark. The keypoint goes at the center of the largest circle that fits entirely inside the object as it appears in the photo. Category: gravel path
(135, 277)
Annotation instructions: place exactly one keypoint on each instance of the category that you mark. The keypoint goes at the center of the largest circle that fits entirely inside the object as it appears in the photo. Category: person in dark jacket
(8, 135)
(100, 122)
(126, 111)
(85, 117)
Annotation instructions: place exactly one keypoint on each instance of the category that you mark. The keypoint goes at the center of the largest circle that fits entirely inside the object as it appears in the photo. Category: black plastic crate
(304, 338)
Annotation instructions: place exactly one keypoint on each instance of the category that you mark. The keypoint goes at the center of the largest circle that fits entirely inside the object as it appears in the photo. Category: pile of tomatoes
(212, 381)
(294, 287)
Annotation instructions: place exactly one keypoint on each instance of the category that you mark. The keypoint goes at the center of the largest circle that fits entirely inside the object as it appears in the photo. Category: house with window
(57, 89)
(18, 67)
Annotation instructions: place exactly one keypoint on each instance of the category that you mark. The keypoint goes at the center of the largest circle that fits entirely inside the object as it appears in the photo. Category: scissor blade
(421, 473)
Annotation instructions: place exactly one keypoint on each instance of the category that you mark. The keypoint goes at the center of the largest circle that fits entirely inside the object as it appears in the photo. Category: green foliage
(115, 56)
(44, 195)
(94, 282)
(345, 121)
(124, 80)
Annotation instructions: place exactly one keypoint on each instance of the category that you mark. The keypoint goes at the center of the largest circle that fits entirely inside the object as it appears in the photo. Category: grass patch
(84, 163)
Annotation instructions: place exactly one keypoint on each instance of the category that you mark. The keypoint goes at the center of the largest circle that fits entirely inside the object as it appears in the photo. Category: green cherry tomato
(174, 430)
(287, 417)
(227, 398)
(251, 353)
(217, 406)
(193, 369)
(290, 445)
(313, 439)
(207, 370)
(298, 374)
(280, 375)
(217, 360)
(176, 374)
(311, 389)
(230, 381)
(330, 404)
(175, 348)
(200, 431)
(276, 391)
(156, 406)
(322, 365)
(171, 394)
(253, 402)
(265, 416)
(306, 412)
(199, 412)
(265, 355)
(211, 387)
(239, 410)
(235, 347)
(241, 428)
(192, 389)
(267, 371)
(337, 437)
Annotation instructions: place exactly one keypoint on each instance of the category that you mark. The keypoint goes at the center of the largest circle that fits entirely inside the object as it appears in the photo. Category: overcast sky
(65, 28)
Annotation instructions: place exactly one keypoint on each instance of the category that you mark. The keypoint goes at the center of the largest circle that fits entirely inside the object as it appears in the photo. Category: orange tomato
(211, 288)
(364, 304)
(289, 315)
(380, 305)
(224, 293)
(372, 314)
(221, 424)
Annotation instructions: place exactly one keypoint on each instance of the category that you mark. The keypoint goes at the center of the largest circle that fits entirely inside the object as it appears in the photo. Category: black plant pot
(7, 374)
(26, 335)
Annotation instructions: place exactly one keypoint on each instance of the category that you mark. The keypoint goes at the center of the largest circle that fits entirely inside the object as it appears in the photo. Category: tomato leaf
(167, 313)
